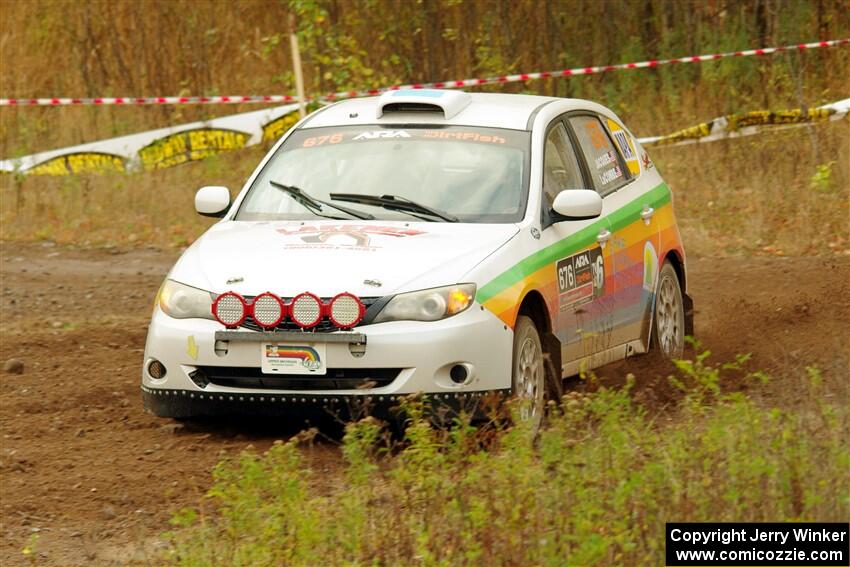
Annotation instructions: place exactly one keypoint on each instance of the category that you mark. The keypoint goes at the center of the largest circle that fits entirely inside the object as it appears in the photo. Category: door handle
(646, 214)
(603, 236)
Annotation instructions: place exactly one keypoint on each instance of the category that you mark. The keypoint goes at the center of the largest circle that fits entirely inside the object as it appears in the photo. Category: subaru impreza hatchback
(441, 242)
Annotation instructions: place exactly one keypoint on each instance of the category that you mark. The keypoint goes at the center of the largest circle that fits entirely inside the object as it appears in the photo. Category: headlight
(429, 304)
(183, 302)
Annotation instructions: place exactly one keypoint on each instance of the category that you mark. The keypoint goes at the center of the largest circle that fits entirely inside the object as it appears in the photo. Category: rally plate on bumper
(283, 358)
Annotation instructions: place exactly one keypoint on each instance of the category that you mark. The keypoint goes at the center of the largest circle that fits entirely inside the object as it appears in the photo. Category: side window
(601, 156)
(560, 165)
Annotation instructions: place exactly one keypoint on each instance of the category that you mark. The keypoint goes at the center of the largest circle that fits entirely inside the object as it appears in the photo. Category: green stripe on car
(621, 218)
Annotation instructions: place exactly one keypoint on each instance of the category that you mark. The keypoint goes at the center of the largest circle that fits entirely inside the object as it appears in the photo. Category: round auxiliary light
(306, 310)
(267, 310)
(346, 310)
(230, 309)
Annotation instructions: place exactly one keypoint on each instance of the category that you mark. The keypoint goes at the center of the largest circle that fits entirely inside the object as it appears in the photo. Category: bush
(595, 487)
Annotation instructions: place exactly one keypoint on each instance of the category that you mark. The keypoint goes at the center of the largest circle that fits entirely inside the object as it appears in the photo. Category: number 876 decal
(581, 278)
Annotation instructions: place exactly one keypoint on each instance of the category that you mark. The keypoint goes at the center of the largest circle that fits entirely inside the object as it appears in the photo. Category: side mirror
(212, 201)
(577, 204)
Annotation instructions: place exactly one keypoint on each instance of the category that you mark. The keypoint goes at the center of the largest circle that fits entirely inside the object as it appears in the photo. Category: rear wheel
(528, 374)
(668, 326)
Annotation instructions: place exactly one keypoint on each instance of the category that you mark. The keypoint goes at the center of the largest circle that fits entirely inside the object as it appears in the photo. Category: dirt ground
(96, 479)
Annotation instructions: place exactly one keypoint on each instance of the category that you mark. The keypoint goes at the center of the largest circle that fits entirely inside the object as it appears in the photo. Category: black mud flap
(688, 305)
(552, 360)
(646, 326)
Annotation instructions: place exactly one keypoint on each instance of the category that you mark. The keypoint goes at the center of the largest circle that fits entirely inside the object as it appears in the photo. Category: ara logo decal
(338, 237)
(582, 260)
(375, 134)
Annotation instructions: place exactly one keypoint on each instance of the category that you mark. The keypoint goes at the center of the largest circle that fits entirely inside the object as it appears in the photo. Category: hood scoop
(447, 103)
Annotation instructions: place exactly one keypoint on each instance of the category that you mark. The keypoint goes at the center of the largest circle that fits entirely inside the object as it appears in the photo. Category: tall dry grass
(785, 192)
(203, 47)
(781, 192)
(152, 208)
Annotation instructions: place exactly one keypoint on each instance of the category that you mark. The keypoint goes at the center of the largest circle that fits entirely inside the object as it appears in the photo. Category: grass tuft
(596, 487)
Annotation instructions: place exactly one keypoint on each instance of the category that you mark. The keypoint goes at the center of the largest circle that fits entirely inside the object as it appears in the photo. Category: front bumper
(185, 403)
(411, 356)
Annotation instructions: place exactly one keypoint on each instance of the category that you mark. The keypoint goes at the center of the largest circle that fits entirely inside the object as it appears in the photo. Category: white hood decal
(329, 257)
(343, 237)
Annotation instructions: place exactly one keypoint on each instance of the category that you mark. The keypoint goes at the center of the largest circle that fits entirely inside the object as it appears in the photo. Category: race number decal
(624, 141)
(581, 278)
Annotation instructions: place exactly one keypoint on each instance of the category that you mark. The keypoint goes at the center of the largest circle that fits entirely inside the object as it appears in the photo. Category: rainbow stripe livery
(503, 295)
(307, 355)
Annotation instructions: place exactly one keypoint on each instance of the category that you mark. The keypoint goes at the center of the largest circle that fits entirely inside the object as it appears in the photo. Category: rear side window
(603, 162)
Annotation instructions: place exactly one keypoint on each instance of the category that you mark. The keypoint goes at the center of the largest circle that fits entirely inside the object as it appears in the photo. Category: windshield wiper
(395, 203)
(316, 205)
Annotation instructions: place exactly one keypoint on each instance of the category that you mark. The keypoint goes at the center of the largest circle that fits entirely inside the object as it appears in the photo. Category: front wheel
(528, 374)
(668, 326)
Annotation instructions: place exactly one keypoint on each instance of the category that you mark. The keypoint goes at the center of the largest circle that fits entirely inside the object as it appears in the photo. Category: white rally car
(430, 241)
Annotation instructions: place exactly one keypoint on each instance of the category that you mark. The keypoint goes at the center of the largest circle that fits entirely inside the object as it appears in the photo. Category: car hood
(328, 257)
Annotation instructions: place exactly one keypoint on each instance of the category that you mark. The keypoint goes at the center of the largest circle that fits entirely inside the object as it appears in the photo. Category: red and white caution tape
(522, 77)
(129, 101)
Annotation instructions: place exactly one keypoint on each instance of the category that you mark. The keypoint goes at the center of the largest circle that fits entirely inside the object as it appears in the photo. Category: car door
(610, 156)
(581, 254)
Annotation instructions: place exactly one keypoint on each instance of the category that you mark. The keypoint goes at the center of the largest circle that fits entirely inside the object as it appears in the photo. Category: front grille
(324, 326)
(335, 379)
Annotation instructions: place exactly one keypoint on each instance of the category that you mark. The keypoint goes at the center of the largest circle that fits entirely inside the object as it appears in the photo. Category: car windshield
(471, 174)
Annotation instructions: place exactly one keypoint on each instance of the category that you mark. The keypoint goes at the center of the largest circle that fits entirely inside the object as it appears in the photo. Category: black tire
(668, 316)
(528, 372)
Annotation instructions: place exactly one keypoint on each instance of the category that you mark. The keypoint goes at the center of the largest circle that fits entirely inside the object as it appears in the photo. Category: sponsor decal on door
(581, 278)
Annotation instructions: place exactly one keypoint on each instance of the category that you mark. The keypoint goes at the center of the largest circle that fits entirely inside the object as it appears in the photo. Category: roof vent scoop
(450, 103)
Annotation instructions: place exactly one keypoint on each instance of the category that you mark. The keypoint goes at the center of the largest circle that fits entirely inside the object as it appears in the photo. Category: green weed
(595, 488)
